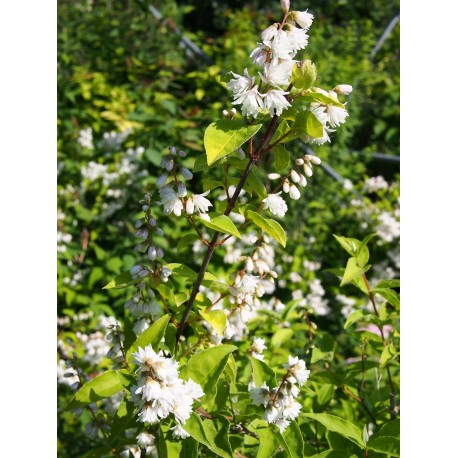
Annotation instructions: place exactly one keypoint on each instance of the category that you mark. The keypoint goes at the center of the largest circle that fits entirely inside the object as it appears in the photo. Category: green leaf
(334, 454)
(231, 369)
(257, 185)
(160, 444)
(324, 348)
(209, 185)
(281, 156)
(281, 336)
(151, 336)
(388, 284)
(282, 129)
(293, 440)
(339, 425)
(388, 353)
(206, 367)
(217, 319)
(391, 296)
(186, 241)
(222, 223)
(267, 443)
(391, 428)
(124, 415)
(186, 448)
(217, 433)
(352, 271)
(313, 96)
(262, 373)
(353, 318)
(200, 164)
(272, 227)
(100, 387)
(224, 136)
(363, 252)
(308, 124)
(348, 244)
(385, 444)
(207, 434)
(122, 281)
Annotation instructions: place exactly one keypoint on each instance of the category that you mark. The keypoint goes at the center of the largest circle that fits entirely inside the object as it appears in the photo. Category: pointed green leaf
(353, 318)
(291, 440)
(272, 227)
(217, 433)
(281, 156)
(186, 241)
(388, 353)
(352, 271)
(315, 96)
(100, 387)
(206, 367)
(385, 444)
(308, 124)
(391, 296)
(151, 336)
(334, 454)
(339, 425)
(267, 443)
(224, 136)
(257, 185)
(216, 318)
(262, 373)
(221, 223)
(122, 281)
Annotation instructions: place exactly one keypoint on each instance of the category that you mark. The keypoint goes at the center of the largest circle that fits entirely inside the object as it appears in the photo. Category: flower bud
(303, 75)
(152, 253)
(169, 165)
(160, 252)
(225, 113)
(284, 6)
(138, 223)
(147, 197)
(241, 154)
(308, 170)
(343, 89)
(315, 160)
(187, 174)
(299, 161)
(135, 270)
(152, 221)
(294, 192)
(295, 176)
(232, 112)
(302, 181)
(161, 180)
(249, 265)
(181, 153)
(286, 186)
(159, 231)
(181, 190)
(273, 176)
(172, 150)
(145, 208)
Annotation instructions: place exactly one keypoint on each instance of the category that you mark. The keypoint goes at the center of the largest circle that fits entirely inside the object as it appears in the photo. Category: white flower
(275, 101)
(268, 34)
(259, 54)
(193, 389)
(179, 432)
(303, 19)
(170, 201)
(258, 345)
(281, 47)
(85, 138)
(297, 369)
(343, 89)
(199, 202)
(282, 424)
(298, 38)
(277, 74)
(145, 439)
(251, 102)
(241, 84)
(260, 395)
(336, 115)
(275, 204)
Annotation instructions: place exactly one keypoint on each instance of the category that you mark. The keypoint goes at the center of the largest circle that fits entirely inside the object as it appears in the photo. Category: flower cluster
(176, 200)
(279, 402)
(275, 54)
(159, 392)
(256, 349)
(274, 202)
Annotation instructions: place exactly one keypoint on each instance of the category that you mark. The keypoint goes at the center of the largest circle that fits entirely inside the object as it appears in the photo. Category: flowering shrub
(227, 357)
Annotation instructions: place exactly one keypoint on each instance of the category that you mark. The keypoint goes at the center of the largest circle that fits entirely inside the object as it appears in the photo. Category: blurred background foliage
(125, 75)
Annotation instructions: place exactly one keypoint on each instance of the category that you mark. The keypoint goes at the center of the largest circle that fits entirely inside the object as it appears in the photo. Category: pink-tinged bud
(343, 89)
(269, 34)
(284, 6)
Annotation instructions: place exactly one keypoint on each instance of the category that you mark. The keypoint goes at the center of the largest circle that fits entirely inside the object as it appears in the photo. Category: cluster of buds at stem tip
(297, 178)
(169, 164)
(229, 114)
(116, 337)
